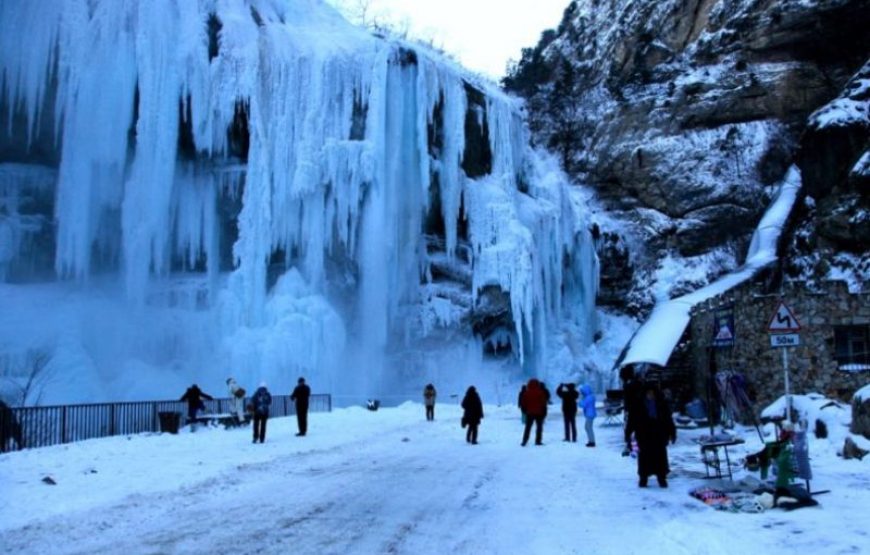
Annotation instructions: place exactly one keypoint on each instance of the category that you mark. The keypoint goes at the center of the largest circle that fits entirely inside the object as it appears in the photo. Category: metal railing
(51, 425)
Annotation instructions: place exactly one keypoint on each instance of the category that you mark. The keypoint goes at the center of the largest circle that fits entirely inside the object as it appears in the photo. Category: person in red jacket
(534, 404)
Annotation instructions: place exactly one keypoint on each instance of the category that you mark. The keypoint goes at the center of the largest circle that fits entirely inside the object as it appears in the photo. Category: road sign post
(783, 329)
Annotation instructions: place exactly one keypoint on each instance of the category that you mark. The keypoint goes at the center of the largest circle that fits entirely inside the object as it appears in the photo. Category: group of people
(648, 419)
(257, 408)
(533, 402)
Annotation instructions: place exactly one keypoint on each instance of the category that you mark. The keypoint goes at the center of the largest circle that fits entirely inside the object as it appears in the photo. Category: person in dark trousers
(589, 412)
(632, 391)
(569, 395)
(473, 414)
(194, 396)
(547, 396)
(429, 395)
(10, 428)
(260, 403)
(520, 404)
(300, 396)
(651, 422)
(534, 404)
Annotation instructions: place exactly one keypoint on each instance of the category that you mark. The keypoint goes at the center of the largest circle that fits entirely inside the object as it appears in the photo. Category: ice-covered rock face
(683, 113)
(300, 193)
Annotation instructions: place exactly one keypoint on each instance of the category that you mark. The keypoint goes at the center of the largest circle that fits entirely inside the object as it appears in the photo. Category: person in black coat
(10, 428)
(301, 395)
(194, 396)
(569, 395)
(651, 422)
(260, 404)
(473, 414)
(520, 404)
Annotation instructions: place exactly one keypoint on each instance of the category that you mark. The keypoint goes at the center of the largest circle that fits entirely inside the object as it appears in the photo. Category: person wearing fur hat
(653, 426)
(237, 399)
(260, 403)
(569, 395)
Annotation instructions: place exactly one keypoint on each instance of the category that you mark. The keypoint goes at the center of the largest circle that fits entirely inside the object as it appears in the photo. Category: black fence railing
(27, 427)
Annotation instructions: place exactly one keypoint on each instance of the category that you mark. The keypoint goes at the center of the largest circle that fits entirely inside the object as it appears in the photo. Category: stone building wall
(812, 364)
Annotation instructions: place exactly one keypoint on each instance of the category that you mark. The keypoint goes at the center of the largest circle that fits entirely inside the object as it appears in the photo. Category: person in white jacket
(237, 399)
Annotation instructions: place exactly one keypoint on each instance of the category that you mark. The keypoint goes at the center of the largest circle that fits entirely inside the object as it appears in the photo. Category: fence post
(63, 424)
(155, 425)
(112, 420)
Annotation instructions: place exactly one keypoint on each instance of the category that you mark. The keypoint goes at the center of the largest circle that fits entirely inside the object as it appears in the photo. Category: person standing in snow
(588, 403)
(569, 395)
(547, 395)
(260, 404)
(194, 397)
(651, 422)
(520, 404)
(429, 395)
(473, 414)
(534, 404)
(301, 395)
(237, 399)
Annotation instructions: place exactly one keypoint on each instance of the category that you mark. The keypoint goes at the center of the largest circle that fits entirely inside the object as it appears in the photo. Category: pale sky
(482, 34)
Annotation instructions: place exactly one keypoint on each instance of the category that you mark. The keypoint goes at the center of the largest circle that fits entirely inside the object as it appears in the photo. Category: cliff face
(683, 114)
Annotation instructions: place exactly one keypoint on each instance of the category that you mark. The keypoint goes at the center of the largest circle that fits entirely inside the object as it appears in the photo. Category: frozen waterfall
(196, 189)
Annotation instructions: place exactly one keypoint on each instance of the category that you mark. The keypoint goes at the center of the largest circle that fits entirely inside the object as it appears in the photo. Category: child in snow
(589, 413)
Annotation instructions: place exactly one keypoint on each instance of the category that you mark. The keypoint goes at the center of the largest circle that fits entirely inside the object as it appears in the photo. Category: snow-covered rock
(682, 114)
(861, 412)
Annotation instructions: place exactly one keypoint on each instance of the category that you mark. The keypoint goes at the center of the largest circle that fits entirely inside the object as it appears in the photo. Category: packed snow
(355, 143)
(390, 482)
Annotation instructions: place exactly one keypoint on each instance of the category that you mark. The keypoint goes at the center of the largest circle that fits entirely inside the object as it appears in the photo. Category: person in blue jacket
(260, 403)
(588, 404)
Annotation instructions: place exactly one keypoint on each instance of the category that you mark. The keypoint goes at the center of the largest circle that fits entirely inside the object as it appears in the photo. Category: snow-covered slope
(257, 188)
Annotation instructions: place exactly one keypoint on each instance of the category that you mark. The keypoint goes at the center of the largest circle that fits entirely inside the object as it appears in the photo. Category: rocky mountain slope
(684, 114)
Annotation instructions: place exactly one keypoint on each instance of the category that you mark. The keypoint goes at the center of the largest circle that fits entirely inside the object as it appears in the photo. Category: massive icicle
(355, 180)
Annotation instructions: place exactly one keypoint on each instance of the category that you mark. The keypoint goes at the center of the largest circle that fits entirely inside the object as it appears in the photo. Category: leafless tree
(30, 378)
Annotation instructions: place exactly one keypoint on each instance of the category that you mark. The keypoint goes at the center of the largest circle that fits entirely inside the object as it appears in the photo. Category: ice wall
(269, 166)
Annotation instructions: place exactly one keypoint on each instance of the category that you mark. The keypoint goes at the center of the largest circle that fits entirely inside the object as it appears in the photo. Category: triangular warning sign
(783, 321)
(724, 334)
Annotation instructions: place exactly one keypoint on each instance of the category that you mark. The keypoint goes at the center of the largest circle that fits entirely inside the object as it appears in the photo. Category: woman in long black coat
(473, 414)
(650, 420)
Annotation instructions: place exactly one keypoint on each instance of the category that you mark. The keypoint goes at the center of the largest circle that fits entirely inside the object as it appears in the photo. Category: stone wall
(812, 366)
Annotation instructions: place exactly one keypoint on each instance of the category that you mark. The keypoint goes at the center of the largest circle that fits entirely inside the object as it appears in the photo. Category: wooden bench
(226, 420)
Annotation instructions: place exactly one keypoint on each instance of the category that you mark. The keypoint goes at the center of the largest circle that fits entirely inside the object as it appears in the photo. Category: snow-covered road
(390, 482)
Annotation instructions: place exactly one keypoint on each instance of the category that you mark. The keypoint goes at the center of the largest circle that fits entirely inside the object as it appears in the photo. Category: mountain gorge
(684, 114)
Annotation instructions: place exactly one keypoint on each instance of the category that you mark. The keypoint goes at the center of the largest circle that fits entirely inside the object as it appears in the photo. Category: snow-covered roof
(655, 340)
